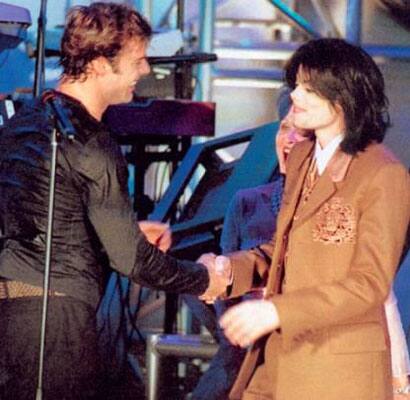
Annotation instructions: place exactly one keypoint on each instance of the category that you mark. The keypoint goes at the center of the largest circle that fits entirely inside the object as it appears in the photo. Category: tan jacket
(341, 251)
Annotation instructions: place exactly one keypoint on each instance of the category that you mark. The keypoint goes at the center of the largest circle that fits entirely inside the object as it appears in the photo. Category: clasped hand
(220, 276)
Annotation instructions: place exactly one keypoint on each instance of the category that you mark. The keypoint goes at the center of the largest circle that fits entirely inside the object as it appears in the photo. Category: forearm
(156, 269)
(250, 268)
(132, 255)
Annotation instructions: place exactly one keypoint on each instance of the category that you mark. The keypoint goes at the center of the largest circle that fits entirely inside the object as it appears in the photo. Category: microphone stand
(51, 196)
(40, 60)
(61, 124)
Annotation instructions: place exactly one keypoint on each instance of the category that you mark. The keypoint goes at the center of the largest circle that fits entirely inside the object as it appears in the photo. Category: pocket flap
(356, 338)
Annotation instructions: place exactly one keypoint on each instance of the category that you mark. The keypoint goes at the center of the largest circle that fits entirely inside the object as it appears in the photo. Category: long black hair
(347, 76)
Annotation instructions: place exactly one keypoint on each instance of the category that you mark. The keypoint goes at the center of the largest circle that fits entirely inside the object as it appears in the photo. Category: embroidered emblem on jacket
(335, 223)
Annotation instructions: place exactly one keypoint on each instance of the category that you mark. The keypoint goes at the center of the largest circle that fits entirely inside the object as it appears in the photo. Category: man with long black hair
(320, 332)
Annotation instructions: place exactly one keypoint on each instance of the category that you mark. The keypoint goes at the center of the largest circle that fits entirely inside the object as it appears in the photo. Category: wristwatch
(402, 390)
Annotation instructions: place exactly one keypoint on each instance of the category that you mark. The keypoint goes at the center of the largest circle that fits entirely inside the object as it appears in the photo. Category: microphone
(60, 114)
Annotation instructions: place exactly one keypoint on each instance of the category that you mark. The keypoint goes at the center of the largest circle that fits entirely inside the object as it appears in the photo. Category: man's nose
(147, 68)
(294, 94)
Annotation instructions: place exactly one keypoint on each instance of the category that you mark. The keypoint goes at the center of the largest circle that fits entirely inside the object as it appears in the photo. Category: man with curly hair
(103, 57)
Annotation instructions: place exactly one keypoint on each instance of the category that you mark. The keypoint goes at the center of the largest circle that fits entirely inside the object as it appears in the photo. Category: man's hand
(220, 276)
(157, 233)
(248, 321)
(401, 383)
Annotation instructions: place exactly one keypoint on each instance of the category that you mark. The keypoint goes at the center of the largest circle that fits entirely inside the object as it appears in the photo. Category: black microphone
(60, 114)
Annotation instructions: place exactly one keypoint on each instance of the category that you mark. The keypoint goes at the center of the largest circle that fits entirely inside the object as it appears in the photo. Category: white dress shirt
(323, 156)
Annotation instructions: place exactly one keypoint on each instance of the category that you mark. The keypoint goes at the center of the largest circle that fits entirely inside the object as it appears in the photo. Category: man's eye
(142, 60)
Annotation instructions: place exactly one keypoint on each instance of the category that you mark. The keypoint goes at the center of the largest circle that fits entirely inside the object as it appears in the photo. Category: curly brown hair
(101, 29)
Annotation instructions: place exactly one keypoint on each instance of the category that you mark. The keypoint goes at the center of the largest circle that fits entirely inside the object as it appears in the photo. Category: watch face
(403, 390)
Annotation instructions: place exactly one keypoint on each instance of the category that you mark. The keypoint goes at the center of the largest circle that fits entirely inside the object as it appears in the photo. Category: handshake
(220, 276)
(219, 267)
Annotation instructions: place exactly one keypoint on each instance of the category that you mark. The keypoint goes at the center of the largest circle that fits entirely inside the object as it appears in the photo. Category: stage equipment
(206, 208)
(14, 22)
(181, 346)
(145, 123)
(183, 65)
(151, 117)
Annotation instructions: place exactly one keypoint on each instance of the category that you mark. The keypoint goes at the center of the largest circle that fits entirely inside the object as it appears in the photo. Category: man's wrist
(275, 316)
(401, 385)
(402, 390)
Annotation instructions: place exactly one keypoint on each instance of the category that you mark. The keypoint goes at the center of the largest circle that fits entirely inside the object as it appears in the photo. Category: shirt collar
(323, 156)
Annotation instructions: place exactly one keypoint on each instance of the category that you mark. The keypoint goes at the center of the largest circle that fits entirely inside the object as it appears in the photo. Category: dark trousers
(71, 363)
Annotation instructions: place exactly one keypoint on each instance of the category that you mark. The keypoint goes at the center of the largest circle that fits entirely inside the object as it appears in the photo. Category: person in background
(102, 57)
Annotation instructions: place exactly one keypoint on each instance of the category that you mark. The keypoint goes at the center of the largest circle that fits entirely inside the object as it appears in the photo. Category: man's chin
(123, 100)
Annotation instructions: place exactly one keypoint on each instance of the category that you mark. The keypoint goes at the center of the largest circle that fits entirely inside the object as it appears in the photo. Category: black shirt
(93, 212)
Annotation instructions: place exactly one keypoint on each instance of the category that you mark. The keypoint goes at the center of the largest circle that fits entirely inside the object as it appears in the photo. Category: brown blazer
(340, 251)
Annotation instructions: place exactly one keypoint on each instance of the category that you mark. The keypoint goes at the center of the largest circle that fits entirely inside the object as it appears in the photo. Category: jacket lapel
(325, 186)
(293, 186)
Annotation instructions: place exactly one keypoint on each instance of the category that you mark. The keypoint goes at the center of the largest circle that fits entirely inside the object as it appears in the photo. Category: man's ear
(338, 108)
(100, 66)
